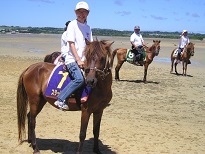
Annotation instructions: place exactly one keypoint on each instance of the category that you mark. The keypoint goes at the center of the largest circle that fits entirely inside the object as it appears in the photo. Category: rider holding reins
(184, 40)
(137, 42)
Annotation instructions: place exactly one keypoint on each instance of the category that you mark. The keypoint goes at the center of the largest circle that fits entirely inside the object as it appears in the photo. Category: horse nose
(157, 53)
(91, 82)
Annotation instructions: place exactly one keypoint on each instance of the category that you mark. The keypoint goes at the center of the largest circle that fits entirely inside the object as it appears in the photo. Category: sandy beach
(164, 116)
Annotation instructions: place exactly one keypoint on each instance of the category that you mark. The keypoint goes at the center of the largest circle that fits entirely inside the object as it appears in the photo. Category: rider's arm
(75, 54)
(134, 46)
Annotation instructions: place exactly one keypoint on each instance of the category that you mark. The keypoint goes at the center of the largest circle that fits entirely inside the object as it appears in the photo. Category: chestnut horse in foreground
(151, 52)
(185, 56)
(33, 82)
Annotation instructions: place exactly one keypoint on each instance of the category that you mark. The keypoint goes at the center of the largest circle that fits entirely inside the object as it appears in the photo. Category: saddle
(58, 80)
(134, 56)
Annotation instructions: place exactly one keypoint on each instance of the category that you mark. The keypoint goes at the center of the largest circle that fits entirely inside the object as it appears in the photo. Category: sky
(150, 15)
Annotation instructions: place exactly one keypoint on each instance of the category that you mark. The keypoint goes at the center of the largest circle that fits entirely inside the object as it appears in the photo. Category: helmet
(82, 5)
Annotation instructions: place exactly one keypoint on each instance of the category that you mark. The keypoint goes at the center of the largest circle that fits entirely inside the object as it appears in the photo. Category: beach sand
(166, 115)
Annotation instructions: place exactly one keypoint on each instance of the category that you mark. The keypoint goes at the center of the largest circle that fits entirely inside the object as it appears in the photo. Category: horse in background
(54, 57)
(33, 81)
(121, 53)
(186, 54)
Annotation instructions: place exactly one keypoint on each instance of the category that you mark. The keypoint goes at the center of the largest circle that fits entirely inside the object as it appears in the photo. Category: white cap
(82, 5)
(184, 31)
(137, 27)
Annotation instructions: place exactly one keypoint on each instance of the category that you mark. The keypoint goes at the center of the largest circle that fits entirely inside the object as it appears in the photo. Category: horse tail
(113, 56)
(22, 104)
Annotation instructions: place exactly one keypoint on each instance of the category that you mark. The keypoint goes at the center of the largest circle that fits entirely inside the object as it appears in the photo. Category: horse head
(52, 58)
(156, 47)
(190, 48)
(97, 63)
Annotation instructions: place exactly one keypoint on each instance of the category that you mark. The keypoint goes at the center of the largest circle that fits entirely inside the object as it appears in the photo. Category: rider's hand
(80, 63)
(140, 46)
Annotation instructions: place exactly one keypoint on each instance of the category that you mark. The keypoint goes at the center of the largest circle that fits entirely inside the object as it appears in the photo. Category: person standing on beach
(137, 43)
(78, 31)
(184, 40)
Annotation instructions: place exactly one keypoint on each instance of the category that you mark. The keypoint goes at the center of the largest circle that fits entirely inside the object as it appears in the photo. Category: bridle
(156, 51)
(102, 73)
(189, 50)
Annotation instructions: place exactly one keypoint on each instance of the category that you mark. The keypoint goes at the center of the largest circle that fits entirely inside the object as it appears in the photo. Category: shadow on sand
(138, 81)
(180, 74)
(67, 147)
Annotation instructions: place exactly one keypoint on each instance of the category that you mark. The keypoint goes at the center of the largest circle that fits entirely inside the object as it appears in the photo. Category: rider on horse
(184, 40)
(78, 31)
(137, 45)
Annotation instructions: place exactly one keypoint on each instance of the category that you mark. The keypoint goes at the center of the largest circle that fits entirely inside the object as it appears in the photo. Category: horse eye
(87, 70)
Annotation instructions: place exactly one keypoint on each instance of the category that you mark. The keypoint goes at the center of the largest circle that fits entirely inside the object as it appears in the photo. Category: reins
(103, 73)
(188, 50)
(150, 49)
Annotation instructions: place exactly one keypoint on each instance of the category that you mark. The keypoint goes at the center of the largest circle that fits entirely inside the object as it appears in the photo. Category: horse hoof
(117, 79)
(36, 152)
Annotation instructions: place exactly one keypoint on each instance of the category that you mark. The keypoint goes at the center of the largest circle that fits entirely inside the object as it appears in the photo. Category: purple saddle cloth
(58, 79)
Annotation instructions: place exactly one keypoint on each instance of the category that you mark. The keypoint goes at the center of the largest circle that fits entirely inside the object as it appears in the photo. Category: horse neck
(186, 52)
(150, 50)
(105, 83)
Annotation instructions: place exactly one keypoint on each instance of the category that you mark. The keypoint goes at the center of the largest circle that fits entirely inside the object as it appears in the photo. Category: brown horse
(53, 57)
(151, 52)
(185, 56)
(33, 82)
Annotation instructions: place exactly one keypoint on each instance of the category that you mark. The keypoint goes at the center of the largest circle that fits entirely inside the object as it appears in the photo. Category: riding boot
(188, 62)
(134, 58)
(137, 60)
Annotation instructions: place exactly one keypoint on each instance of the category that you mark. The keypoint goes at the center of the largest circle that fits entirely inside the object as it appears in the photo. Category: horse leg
(29, 130)
(35, 108)
(175, 65)
(184, 67)
(96, 130)
(117, 69)
(172, 64)
(145, 72)
(83, 128)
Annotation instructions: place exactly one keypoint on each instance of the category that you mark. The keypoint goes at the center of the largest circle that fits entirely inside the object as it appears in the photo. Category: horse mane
(190, 44)
(98, 48)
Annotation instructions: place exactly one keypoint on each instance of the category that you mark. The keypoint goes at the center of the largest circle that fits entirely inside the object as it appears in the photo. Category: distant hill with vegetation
(97, 32)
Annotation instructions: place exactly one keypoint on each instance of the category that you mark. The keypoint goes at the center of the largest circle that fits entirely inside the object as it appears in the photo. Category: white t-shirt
(136, 39)
(64, 42)
(183, 41)
(77, 33)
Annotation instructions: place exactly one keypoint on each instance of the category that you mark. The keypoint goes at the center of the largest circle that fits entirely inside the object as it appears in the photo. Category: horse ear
(153, 40)
(87, 42)
(108, 45)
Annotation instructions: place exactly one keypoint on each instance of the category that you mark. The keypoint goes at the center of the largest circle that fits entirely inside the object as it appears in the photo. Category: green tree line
(98, 32)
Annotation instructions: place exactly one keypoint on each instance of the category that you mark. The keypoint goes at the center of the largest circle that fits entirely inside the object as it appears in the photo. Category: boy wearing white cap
(184, 40)
(77, 32)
